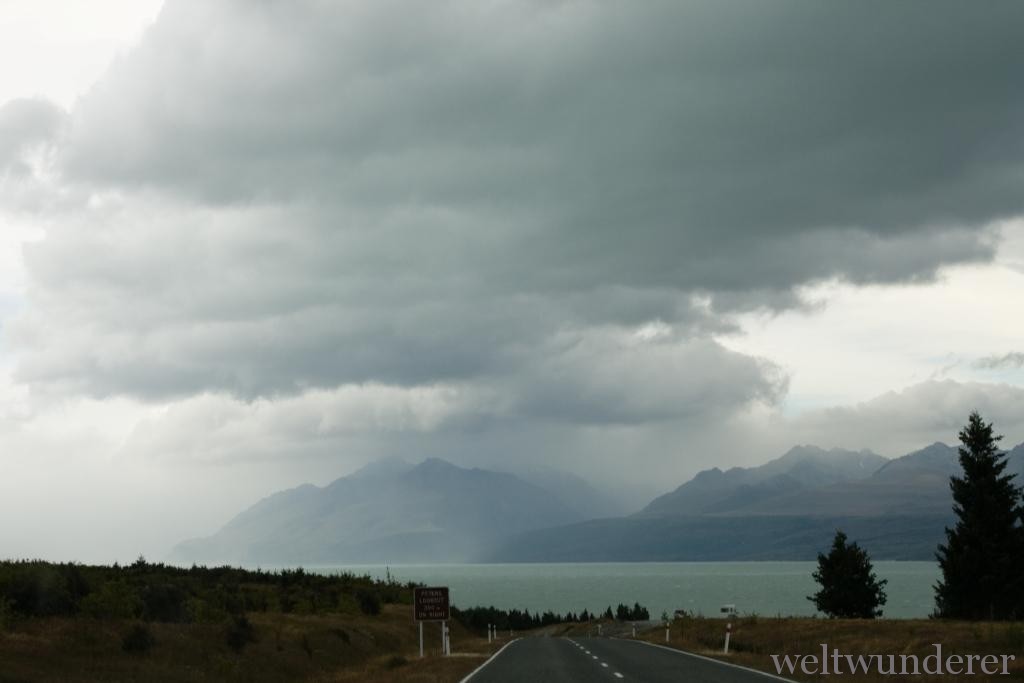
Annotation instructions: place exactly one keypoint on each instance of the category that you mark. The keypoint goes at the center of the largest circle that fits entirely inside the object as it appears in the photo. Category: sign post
(431, 604)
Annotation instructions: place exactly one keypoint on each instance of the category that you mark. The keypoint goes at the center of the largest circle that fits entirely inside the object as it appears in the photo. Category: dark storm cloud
(661, 143)
(309, 194)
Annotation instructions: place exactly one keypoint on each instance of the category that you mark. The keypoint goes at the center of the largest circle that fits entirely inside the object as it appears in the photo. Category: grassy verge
(282, 647)
(755, 639)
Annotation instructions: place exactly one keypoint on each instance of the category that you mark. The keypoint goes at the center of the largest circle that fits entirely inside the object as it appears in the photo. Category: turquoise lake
(764, 588)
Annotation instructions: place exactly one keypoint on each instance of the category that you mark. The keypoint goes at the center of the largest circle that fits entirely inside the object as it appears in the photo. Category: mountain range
(786, 509)
(389, 511)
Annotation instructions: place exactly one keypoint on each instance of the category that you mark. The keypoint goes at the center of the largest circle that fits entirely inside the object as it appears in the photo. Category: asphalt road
(551, 660)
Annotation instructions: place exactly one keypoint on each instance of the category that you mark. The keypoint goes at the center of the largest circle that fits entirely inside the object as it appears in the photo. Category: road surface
(566, 660)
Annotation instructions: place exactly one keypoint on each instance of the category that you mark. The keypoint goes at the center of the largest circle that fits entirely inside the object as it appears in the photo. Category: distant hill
(390, 511)
(700, 538)
(575, 492)
(787, 509)
(800, 469)
(916, 484)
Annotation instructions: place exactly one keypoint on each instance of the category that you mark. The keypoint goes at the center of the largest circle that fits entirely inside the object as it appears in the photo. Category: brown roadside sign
(430, 604)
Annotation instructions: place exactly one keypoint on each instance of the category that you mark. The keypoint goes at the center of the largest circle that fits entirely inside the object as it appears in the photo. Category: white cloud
(57, 49)
(898, 422)
(863, 341)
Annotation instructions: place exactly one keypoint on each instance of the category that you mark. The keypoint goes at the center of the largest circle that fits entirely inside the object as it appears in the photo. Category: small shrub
(114, 600)
(138, 640)
(395, 662)
(286, 601)
(202, 612)
(239, 633)
(369, 601)
(1013, 637)
(7, 613)
(36, 589)
(164, 602)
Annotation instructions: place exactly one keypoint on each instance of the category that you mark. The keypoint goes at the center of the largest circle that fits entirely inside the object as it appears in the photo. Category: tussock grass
(755, 639)
(284, 647)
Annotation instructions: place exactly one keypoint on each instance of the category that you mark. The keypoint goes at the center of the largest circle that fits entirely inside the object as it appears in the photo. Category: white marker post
(667, 628)
(634, 630)
(599, 630)
(488, 634)
(728, 632)
(421, 640)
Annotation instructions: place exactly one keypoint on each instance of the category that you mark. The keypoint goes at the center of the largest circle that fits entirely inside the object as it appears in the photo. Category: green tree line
(478, 618)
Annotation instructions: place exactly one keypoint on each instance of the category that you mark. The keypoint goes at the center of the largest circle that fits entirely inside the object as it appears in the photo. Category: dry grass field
(755, 639)
(287, 647)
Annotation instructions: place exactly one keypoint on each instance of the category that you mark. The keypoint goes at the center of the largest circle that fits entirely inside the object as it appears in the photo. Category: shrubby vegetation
(138, 640)
(161, 593)
(147, 592)
(239, 632)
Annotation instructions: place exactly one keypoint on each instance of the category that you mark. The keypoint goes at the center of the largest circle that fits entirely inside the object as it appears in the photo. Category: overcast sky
(246, 245)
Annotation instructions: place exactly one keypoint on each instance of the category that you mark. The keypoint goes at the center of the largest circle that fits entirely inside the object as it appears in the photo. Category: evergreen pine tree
(849, 587)
(982, 560)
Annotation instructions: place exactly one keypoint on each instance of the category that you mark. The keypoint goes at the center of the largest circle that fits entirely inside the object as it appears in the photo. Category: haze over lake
(764, 588)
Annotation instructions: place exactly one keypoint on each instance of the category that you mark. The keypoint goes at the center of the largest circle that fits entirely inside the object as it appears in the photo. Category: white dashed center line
(618, 675)
(604, 665)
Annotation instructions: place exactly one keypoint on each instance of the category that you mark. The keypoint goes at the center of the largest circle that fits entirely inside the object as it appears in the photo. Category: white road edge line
(710, 659)
(490, 659)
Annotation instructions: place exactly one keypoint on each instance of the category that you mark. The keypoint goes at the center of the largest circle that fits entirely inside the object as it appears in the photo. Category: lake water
(765, 588)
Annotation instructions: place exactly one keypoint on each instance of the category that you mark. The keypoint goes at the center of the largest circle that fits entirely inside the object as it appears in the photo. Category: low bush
(395, 662)
(138, 640)
(369, 601)
(239, 633)
(114, 600)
